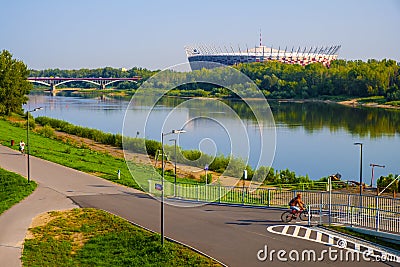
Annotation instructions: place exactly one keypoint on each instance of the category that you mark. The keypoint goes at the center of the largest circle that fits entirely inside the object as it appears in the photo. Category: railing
(371, 218)
(372, 212)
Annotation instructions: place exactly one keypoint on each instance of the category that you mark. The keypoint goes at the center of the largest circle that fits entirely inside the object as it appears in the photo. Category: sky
(74, 34)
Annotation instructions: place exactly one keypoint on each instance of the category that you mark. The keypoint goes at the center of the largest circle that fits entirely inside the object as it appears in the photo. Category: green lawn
(13, 188)
(82, 158)
(77, 157)
(90, 237)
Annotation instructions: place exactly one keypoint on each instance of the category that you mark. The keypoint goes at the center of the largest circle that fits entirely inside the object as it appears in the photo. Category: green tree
(14, 85)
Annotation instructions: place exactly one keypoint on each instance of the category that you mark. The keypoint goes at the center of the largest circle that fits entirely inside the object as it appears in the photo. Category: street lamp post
(206, 180)
(162, 179)
(27, 139)
(174, 166)
(361, 149)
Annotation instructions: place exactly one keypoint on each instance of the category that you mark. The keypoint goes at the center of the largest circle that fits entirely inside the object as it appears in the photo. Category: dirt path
(183, 171)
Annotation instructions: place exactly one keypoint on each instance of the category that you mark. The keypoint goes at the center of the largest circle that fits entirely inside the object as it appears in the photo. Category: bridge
(52, 82)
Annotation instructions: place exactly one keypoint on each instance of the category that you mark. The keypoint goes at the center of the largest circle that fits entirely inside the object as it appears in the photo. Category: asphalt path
(232, 235)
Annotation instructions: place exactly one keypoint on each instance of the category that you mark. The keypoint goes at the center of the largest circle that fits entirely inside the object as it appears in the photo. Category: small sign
(158, 187)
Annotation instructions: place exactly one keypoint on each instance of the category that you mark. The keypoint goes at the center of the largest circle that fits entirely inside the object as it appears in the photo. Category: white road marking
(296, 231)
(285, 229)
(308, 233)
(340, 241)
(319, 236)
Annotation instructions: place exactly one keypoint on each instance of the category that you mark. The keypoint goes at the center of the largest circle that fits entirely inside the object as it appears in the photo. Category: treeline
(106, 72)
(349, 78)
(276, 80)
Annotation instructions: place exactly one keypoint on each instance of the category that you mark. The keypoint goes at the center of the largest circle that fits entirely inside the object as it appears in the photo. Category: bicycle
(288, 215)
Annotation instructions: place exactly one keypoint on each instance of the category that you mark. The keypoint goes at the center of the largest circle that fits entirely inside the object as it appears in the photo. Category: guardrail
(372, 212)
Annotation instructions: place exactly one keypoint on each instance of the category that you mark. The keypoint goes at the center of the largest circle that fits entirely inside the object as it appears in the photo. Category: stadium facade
(302, 56)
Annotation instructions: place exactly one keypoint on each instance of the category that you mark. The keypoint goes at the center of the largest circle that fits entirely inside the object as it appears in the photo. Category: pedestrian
(22, 147)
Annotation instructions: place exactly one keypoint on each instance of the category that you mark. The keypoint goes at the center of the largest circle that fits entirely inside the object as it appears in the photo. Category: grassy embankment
(13, 188)
(89, 237)
(70, 154)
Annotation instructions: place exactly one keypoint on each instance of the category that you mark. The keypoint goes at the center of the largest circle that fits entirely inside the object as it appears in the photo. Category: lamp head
(178, 131)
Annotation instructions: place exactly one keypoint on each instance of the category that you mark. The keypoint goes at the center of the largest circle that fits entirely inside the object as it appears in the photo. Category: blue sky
(73, 34)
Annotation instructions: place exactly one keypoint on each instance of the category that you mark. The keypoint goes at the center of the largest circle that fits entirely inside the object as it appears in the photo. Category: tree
(14, 85)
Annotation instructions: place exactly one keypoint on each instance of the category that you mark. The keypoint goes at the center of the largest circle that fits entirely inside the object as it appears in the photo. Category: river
(312, 138)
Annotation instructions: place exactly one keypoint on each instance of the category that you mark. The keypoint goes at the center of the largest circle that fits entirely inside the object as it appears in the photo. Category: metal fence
(367, 211)
(370, 218)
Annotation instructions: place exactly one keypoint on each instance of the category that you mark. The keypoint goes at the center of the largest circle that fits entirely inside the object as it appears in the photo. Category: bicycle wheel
(286, 216)
(304, 215)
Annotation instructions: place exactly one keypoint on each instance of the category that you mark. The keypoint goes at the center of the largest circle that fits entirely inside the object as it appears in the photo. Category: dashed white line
(319, 237)
(285, 229)
(296, 231)
(308, 233)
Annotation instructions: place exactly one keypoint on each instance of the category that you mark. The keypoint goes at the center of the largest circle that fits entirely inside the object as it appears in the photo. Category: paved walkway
(233, 235)
(55, 185)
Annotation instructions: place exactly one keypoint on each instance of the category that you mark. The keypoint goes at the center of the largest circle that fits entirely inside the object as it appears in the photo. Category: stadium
(302, 56)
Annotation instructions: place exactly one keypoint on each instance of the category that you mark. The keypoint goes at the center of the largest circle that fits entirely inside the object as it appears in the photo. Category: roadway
(232, 235)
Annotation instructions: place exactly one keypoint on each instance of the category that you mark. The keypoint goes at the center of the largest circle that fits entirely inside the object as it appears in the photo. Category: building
(302, 56)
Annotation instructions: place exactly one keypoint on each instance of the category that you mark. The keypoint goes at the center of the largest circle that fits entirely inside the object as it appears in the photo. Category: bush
(46, 131)
(152, 147)
(203, 178)
(384, 181)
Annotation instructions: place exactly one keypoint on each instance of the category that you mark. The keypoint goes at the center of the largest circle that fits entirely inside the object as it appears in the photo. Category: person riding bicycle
(296, 204)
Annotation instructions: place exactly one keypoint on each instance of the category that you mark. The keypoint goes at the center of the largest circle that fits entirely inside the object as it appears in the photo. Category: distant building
(260, 53)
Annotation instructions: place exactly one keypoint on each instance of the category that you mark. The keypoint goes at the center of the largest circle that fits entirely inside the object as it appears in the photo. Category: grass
(13, 188)
(374, 99)
(367, 237)
(90, 237)
(75, 156)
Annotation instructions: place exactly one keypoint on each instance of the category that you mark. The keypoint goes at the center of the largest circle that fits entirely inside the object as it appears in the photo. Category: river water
(313, 138)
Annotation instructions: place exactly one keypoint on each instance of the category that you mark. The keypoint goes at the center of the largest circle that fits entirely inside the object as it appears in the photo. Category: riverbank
(125, 94)
(356, 103)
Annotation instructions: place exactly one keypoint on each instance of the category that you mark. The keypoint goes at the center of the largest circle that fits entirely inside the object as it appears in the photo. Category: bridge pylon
(53, 89)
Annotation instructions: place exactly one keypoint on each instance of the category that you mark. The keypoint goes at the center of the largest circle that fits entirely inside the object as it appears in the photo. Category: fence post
(205, 192)
(377, 214)
(348, 208)
(219, 193)
(149, 186)
(197, 192)
(243, 195)
(268, 197)
(320, 213)
(351, 214)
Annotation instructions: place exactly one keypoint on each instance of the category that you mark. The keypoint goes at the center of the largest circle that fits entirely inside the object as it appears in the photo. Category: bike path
(233, 235)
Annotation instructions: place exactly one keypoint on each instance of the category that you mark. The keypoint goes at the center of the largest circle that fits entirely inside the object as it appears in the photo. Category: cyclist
(296, 205)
